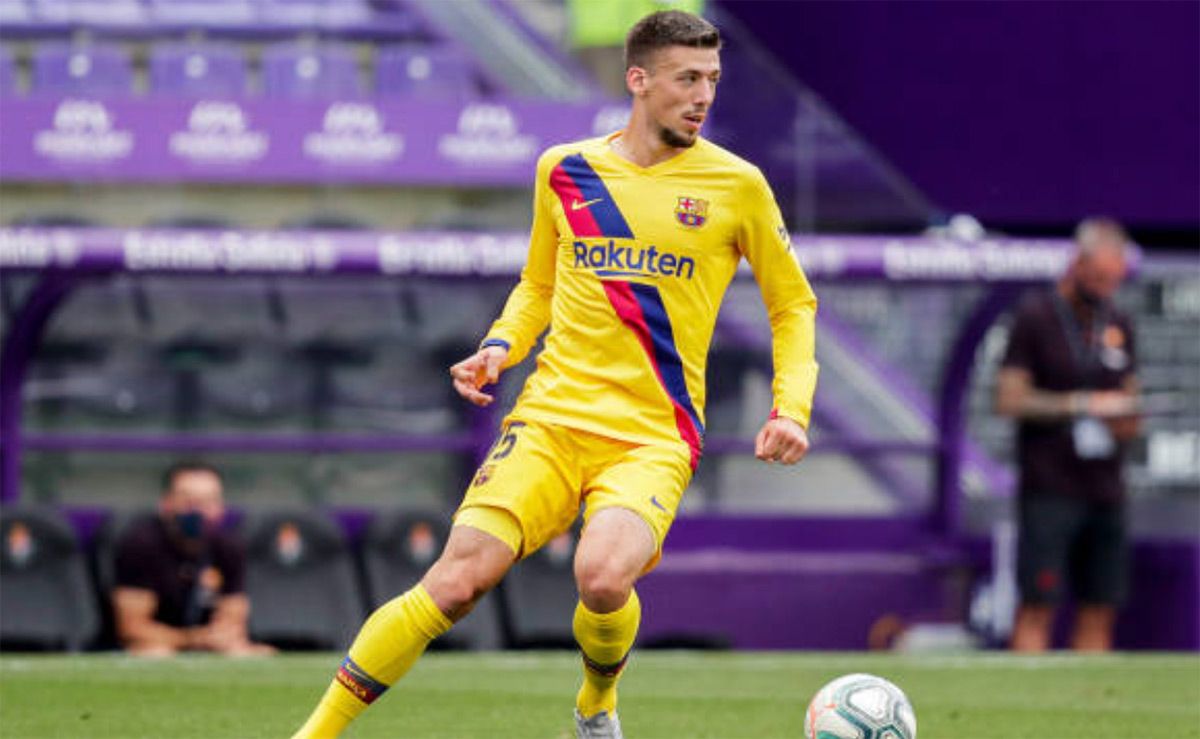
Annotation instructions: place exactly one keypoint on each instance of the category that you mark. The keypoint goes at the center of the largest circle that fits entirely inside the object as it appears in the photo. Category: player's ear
(635, 80)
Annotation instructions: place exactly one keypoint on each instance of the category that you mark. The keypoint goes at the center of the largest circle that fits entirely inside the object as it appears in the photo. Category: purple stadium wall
(1020, 113)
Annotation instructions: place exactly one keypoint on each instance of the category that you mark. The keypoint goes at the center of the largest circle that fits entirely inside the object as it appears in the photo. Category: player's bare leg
(1031, 632)
(396, 634)
(613, 552)
(1093, 628)
(472, 563)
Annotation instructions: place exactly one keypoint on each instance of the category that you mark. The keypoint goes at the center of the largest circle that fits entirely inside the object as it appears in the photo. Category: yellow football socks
(388, 644)
(604, 640)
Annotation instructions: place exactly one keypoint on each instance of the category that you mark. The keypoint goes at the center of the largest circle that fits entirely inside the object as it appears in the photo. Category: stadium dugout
(906, 563)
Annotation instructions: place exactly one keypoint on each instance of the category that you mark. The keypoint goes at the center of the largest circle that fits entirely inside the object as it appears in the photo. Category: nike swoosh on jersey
(576, 205)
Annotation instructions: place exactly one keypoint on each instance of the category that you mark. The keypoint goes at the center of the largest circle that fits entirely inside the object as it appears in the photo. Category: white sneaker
(600, 726)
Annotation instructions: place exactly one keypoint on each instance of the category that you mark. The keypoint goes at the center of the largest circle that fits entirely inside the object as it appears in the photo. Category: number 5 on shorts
(501, 449)
(504, 445)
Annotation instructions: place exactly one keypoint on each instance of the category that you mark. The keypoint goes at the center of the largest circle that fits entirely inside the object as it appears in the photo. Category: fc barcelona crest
(691, 212)
(483, 475)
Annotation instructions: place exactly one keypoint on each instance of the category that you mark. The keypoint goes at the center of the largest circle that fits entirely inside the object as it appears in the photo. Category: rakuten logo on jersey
(84, 132)
(218, 131)
(488, 134)
(353, 133)
(610, 260)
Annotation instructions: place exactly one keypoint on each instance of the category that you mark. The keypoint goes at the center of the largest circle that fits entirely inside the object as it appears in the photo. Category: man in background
(1068, 378)
(179, 578)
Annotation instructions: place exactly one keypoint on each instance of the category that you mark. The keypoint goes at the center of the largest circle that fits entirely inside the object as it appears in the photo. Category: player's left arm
(228, 629)
(792, 309)
(526, 313)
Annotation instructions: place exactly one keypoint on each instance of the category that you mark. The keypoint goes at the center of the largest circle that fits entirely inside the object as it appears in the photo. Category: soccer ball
(860, 706)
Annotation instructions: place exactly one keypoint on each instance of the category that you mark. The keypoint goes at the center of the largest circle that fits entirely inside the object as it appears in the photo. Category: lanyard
(198, 597)
(1086, 355)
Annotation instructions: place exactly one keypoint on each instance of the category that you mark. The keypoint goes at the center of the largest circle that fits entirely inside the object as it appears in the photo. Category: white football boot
(600, 726)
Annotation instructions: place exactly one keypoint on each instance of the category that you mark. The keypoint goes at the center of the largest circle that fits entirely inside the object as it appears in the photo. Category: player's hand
(478, 370)
(1111, 404)
(781, 440)
(214, 637)
(247, 648)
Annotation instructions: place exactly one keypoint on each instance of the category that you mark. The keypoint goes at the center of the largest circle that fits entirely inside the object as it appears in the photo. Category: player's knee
(602, 587)
(456, 588)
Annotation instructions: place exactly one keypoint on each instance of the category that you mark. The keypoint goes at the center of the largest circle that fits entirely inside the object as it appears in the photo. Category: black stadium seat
(46, 601)
(541, 596)
(397, 550)
(301, 581)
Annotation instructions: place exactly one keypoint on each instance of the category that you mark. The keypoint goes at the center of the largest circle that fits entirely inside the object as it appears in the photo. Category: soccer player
(635, 238)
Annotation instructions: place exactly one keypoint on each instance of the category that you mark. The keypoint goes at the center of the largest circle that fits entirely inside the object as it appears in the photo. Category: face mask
(1087, 297)
(190, 524)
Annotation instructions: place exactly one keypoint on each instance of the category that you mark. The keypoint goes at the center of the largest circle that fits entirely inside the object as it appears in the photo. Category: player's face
(678, 91)
(196, 491)
(1098, 275)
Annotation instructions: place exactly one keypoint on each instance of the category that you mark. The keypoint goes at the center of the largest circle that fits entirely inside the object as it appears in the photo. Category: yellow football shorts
(536, 476)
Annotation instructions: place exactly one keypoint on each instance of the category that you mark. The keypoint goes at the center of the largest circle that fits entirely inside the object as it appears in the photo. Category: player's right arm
(135, 603)
(526, 314)
(791, 309)
(133, 610)
(1019, 397)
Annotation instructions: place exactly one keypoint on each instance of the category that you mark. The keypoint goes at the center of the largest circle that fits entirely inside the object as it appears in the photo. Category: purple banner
(264, 141)
(441, 253)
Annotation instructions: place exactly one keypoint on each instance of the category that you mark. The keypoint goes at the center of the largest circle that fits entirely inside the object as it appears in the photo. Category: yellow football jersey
(629, 265)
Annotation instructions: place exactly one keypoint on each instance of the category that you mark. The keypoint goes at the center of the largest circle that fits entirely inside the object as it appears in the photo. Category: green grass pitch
(665, 695)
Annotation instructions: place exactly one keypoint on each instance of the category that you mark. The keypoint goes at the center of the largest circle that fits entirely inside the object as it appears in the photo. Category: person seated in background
(179, 578)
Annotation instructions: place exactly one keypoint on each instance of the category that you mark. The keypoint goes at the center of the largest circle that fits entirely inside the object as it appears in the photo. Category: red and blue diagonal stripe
(641, 308)
(589, 207)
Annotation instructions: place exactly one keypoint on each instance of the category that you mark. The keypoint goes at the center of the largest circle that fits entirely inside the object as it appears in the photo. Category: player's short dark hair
(668, 28)
(188, 465)
(1109, 229)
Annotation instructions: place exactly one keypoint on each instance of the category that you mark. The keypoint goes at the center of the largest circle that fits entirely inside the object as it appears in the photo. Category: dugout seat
(88, 369)
(197, 69)
(541, 596)
(73, 69)
(398, 549)
(297, 70)
(46, 601)
(301, 580)
(400, 387)
(124, 387)
(425, 72)
(260, 389)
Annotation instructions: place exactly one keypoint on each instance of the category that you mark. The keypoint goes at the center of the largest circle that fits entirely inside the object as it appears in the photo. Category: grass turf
(664, 695)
